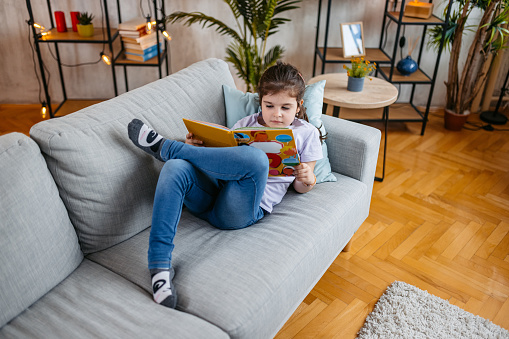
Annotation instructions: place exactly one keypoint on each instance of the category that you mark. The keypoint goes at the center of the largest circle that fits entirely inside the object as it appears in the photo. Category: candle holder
(418, 9)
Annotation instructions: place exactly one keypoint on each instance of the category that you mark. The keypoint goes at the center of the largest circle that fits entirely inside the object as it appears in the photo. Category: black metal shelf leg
(386, 123)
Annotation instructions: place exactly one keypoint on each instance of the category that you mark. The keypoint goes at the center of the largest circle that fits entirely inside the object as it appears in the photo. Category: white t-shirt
(307, 140)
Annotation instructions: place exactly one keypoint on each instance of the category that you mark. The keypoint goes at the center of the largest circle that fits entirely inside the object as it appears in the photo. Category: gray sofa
(75, 213)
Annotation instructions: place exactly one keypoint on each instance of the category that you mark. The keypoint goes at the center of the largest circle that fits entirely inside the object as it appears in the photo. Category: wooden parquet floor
(439, 221)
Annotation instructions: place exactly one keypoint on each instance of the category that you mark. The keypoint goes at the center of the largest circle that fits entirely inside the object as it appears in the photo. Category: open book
(278, 143)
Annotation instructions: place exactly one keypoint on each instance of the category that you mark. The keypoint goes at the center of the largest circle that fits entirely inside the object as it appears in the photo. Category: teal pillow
(239, 105)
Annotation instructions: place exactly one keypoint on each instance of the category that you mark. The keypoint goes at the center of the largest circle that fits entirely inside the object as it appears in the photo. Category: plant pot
(85, 31)
(454, 121)
(355, 84)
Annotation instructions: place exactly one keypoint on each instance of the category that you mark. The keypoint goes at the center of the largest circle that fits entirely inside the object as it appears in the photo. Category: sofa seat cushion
(240, 279)
(94, 302)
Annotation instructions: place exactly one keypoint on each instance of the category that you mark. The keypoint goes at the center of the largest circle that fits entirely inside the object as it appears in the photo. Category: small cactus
(84, 18)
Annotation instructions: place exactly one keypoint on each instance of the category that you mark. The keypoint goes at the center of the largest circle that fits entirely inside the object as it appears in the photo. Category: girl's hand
(304, 173)
(190, 140)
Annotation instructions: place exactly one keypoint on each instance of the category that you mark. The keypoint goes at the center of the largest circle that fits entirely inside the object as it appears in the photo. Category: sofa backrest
(38, 245)
(107, 183)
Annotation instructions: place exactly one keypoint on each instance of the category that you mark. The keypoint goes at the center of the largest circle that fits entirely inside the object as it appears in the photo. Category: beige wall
(18, 83)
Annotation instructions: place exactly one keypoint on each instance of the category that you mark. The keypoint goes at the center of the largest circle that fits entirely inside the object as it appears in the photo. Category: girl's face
(279, 109)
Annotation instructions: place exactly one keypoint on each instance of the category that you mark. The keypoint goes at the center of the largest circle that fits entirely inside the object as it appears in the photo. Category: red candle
(74, 20)
(60, 20)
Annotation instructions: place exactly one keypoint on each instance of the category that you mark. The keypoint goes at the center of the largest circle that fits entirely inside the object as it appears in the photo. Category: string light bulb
(106, 59)
(150, 25)
(44, 110)
(166, 35)
(39, 26)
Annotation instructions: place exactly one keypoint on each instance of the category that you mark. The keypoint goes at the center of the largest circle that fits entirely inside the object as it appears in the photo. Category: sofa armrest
(353, 149)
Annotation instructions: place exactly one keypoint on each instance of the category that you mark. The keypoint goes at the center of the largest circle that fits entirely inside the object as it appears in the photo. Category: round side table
(376, 93)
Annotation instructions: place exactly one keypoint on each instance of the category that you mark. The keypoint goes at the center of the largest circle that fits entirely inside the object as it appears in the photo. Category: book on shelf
(139, 47)
(129, 40)
(142, 43)
(142, 57)
(141, 39)
(144, 51)
(133, 34)
(277, 143)
(133, 24)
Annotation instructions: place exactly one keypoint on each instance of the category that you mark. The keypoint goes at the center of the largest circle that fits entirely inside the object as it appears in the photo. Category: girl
(228, 197)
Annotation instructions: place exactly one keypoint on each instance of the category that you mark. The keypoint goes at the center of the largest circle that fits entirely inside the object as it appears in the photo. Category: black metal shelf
(102, 35)
(398, 17)
(387, 60)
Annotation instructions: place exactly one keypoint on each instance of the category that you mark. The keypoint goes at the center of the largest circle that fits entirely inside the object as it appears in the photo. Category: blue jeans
(221, 185)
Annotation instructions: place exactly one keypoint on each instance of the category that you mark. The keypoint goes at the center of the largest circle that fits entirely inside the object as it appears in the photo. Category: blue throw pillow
(239, 105)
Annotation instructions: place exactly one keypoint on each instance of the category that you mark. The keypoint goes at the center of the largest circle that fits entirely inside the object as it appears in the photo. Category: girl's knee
(175, 170)
(256, 160)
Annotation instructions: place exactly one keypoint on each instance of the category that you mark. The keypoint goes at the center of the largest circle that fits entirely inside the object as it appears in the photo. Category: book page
(278, 143)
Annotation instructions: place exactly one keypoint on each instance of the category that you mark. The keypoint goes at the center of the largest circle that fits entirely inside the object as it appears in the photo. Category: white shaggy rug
(404, 311)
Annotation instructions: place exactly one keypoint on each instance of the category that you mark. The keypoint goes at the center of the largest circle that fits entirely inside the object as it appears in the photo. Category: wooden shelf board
(397, 111)
(397, 77)
(372, 54)
(433, 20)
(71, 36)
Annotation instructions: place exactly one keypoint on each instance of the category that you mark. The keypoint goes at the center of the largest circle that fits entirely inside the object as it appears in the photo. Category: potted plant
(256, 20)
(85, 26)
(488, 40)
(360, 68)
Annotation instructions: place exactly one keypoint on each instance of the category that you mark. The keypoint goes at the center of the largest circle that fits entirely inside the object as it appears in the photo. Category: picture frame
(352, 39)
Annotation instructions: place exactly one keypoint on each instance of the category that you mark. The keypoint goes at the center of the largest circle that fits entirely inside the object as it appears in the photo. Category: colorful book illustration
(278, 143)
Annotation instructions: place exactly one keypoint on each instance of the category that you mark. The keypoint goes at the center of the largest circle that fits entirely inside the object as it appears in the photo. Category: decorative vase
(85, 31)
(407, 66)
(454, 121)
(355, 84)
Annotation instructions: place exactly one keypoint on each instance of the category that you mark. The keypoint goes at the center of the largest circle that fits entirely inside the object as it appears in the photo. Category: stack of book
(138, 45)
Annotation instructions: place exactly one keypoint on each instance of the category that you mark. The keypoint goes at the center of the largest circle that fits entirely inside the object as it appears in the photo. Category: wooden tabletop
(376, 93)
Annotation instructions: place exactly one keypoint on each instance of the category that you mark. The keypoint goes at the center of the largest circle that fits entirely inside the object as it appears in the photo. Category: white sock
(163, 289)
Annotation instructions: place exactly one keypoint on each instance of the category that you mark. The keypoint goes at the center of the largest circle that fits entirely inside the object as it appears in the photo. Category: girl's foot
(162, 286)
(145, 138)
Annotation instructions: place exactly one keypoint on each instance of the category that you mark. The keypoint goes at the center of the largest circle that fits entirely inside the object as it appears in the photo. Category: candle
(74, 20)
(60, 20)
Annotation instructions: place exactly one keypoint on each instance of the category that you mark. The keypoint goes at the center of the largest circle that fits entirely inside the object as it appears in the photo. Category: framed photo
(352, 39)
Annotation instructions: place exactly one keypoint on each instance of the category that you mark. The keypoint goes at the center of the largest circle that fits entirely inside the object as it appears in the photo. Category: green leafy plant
(489, 38)
(360, 68)
(255, 20)
(84, 18)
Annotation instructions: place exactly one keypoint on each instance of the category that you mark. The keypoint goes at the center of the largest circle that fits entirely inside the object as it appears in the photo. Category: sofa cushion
(240, 279)
(97, 168)
(38, 246)
(97, 303)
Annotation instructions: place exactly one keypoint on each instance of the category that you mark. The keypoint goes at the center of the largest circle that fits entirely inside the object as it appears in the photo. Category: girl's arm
(305, 179)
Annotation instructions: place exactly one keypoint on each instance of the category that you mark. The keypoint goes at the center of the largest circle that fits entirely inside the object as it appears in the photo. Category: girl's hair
(283, 77)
